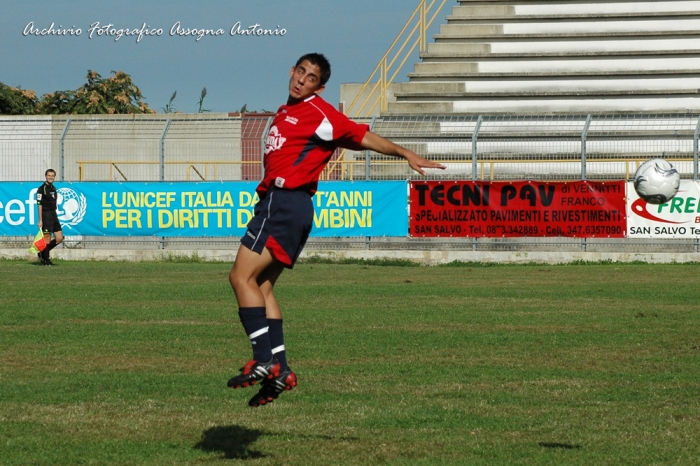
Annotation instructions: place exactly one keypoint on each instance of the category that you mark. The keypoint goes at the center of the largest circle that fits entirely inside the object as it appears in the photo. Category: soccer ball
(656, 181)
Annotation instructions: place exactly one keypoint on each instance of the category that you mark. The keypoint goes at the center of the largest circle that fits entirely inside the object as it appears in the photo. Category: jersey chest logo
(274, 140)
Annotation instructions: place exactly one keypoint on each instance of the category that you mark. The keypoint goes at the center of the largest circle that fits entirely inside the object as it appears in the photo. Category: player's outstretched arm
(375, 142)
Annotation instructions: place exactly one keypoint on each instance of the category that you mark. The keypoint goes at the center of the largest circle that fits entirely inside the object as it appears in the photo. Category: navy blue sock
(277, 341)
(255, 324)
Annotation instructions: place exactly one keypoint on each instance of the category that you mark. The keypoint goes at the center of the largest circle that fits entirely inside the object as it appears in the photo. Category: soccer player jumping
(304, 134)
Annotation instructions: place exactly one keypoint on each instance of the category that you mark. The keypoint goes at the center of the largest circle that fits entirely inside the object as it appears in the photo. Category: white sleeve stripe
(325, 129)
(262, 331)
(278, 349)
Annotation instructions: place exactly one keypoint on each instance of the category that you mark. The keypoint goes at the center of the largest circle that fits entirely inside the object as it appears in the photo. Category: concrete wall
(435, 257)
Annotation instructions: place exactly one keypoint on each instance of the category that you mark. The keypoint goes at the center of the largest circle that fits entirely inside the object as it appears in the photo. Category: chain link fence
(216, 147)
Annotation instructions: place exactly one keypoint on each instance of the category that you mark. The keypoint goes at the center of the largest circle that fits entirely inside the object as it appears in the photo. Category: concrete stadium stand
(503, 56)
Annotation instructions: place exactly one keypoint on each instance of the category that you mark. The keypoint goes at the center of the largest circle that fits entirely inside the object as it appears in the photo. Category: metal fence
(571, 147)
(176, 147)
(229, 147)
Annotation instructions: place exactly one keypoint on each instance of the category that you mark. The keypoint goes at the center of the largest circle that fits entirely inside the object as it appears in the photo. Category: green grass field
(127, 363)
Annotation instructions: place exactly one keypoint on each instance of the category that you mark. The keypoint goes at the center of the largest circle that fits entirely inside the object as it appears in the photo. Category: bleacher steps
(552, 56)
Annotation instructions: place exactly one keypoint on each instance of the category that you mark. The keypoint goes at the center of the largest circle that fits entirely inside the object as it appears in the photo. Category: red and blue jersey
(301, 141)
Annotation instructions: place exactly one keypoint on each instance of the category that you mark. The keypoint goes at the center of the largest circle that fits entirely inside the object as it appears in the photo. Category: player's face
(305, 81)
(50, 177)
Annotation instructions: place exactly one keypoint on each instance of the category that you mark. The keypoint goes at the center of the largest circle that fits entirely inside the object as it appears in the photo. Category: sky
(236, 69)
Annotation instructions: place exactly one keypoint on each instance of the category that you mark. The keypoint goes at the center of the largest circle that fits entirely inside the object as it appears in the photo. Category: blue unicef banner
(361, 208)
(364, 208)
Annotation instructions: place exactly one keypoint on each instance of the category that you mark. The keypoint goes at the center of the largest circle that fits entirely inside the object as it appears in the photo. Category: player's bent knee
(239, 281)
(233, 279)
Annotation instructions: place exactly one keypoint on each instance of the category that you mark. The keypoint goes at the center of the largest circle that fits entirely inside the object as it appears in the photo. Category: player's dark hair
(50, 170)
(319, 60)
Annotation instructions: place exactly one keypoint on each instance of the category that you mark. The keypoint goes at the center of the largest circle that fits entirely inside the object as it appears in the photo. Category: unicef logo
(70, 207)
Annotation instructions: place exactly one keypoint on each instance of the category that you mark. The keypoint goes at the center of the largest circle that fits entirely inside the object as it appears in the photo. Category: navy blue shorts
(282, 223)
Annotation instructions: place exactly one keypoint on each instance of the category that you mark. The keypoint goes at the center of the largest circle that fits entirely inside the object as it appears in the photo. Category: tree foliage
(244, 109)
(201, 101)
(170, 106)
(17, 101)
(116, 94)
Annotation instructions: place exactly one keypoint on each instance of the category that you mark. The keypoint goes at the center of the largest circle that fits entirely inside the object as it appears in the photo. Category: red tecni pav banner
(582, 209)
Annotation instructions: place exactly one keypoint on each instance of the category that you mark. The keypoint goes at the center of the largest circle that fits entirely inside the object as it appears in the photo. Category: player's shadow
(233, 441)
